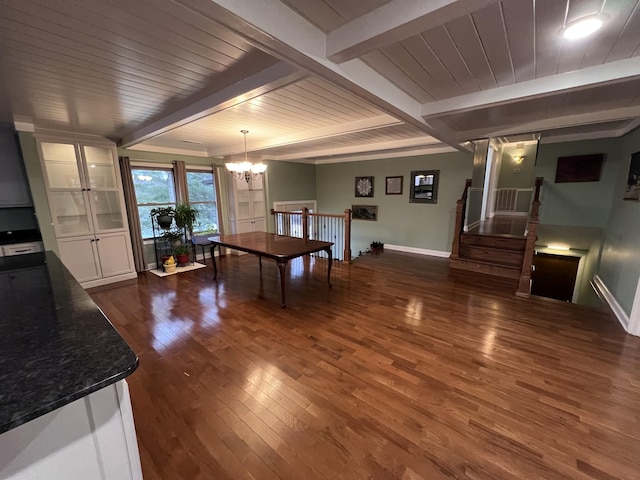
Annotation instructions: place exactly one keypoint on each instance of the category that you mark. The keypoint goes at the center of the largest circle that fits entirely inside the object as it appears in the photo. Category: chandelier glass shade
(246, 169)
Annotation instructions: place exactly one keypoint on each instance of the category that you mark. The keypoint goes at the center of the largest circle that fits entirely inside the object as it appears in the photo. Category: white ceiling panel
(153, 74)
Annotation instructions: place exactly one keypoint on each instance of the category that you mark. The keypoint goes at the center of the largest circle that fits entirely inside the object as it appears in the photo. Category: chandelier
(246, 169)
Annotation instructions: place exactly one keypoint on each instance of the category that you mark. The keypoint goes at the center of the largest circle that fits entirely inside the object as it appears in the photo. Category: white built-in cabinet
(247, 212)
(84, 190)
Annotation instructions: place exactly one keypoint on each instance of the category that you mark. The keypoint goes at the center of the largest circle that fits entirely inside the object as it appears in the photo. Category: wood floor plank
(403, 370)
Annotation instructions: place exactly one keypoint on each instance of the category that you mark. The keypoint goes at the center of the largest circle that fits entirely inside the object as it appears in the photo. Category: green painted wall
(507, 177)
(620, 261)
(288, 181)
(578, 203)
(426, 226)
(38, 189)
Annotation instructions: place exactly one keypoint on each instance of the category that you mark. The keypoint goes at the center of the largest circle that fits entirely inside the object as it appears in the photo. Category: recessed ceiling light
(583, 27)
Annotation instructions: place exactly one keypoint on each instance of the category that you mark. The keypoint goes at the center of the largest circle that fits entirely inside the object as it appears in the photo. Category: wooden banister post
(305, 223)
(524, 284)
(275, 221)
(461, 208)
(347, 236)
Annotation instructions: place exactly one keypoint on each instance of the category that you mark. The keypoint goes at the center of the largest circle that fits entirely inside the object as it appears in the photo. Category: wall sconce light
(518, 158)
(246, 169)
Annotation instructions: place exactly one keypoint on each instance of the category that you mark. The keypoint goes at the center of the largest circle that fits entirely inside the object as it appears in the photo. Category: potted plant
(376, 247)
(174, 237)
(186, 216)
(182, 254)
(164, 216)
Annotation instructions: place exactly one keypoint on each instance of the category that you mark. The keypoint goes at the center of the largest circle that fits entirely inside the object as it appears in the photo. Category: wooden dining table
(280, 248)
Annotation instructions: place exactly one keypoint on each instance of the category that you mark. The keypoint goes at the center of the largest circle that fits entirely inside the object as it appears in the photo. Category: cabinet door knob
(93, 239)
(97, 239)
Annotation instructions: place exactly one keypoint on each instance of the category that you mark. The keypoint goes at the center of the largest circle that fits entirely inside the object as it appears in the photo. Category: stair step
(486, 268)
(496, 256)
(494, 241)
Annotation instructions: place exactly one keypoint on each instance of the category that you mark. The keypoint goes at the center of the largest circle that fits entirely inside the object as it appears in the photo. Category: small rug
(186, 268)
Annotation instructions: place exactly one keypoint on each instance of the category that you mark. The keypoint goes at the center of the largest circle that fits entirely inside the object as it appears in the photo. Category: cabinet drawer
(21, 248)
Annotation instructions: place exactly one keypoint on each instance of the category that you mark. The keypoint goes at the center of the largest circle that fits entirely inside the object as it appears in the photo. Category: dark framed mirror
(424, 186)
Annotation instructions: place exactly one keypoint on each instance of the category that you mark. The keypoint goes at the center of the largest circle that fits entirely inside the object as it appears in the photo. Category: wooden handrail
(524, 284)
(461, 210)
(306, 216)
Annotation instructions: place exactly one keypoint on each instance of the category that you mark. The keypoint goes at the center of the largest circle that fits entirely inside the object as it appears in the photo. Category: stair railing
(524, 284)
(326, 227)
(461, 211)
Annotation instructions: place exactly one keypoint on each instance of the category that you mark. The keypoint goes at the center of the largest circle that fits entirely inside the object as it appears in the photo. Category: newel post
(347, 235)
(305, 223)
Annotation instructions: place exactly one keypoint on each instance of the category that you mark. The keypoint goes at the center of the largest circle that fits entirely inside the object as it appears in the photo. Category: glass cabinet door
(69, 213)
(61, 166)
(102, 182)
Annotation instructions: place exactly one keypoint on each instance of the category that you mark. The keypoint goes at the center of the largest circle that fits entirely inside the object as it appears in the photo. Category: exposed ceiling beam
(394, 22)
(356, 126)
(619, 71)
(171, 150)
(279, 31)
(413, 152)
(555, 122)
(371, 147)
(267, 80)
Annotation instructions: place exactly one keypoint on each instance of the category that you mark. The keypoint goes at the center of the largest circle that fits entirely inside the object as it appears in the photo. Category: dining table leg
(213, 260)
(330, 255)
(282, 266)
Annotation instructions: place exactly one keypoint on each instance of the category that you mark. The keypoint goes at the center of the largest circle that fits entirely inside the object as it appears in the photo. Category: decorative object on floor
(424, 186)
(169, 265)
(376, 247)
(632, 191)
(174, 237)
(364, 186)
(246, 169)
(186, 268)
(364, 212)
(393, 185)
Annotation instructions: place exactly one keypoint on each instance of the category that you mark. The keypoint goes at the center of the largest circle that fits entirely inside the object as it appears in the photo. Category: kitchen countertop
(56, 346)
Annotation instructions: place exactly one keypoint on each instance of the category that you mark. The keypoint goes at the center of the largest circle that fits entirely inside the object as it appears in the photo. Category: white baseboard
(500, 213)
(605, 294)
(419, 251)
(106, 281)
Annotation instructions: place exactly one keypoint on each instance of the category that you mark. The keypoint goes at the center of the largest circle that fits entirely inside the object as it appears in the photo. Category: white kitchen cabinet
(246, 199)
(87, 207)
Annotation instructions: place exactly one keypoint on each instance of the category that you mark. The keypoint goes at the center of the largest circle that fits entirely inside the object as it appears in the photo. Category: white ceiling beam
(394, 22)
(371, 147)
(619, 71)
(265, 81)
(279, 31)
(372, 123)
(602, 116)
(385, 155)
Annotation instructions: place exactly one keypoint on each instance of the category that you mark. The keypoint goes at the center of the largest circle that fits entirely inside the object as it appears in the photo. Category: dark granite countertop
(19, 236)
(55, 344)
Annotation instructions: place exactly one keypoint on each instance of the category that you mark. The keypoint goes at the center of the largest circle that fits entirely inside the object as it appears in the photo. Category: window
(154, 188)
(202, 196)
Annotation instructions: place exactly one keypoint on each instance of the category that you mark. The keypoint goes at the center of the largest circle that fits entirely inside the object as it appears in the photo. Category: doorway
(554, 276)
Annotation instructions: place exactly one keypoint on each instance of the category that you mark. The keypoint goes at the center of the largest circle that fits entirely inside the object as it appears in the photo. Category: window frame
(216, 192)
(159, 167)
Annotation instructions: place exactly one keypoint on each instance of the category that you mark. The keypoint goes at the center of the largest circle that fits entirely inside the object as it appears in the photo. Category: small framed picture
(364, 212)
(364, 186)
(393, 185)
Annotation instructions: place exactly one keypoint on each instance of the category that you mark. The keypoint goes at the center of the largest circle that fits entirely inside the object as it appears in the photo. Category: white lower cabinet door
(243, 226)
(80, 256)
(260, 224)
(114, 253)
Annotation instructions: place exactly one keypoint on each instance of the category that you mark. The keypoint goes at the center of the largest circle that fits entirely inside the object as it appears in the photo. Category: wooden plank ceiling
(314, 79)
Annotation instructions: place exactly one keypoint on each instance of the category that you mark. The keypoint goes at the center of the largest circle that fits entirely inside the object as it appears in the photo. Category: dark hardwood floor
(403, 370)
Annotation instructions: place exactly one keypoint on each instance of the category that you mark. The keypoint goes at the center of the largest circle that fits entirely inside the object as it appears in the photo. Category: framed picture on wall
(632, 191)
(424, 186)
(393, 185)
(364, 186)
(364, 212)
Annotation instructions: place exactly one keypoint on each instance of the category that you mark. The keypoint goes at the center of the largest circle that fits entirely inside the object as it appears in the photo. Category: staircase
(494, 254)
(497, 248)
